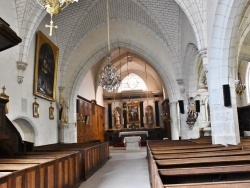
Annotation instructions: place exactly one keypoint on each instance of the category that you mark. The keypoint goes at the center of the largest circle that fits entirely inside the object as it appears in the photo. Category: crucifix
(51, 26)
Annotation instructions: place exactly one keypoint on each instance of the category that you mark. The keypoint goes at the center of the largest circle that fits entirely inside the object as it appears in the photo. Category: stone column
(224, 120)
(67, 131)
(174, 120)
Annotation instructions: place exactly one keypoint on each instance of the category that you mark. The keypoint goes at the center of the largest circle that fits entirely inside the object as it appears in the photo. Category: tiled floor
(126, 169)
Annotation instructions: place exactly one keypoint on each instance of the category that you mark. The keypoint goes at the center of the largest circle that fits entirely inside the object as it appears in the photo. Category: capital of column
(21, 67)
(173, 103)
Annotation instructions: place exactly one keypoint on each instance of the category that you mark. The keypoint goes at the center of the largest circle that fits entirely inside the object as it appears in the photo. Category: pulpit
(132, 142)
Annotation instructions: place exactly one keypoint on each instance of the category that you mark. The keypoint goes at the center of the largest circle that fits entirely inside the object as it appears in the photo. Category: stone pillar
(224, 120)
(174, 120)
(67, 133)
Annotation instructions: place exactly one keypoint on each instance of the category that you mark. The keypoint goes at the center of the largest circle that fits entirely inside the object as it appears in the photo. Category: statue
(149, 116)
(192, 114)
(117, 118)
(63, 106)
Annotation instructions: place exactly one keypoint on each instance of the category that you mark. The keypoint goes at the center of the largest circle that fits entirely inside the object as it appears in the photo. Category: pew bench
(55, 170)
(229, 184)
(196, 162)
(93, 155)
(21, 176)
(155, 152)
(198, 165)
(202, 154)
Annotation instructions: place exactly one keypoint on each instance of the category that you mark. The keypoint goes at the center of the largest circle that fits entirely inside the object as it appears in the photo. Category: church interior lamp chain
(53, 7)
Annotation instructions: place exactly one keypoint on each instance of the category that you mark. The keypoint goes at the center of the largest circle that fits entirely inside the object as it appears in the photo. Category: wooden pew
(196, 150)
(64, 166)
(93, 155)
(205, 174)
(195, 162)
(198, 166)
(21, 176)
(228, 184)
(197, 146)
(202, 154)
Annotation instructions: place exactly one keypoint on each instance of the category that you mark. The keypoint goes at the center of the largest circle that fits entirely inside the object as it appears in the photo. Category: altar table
(132, 142)
(133, 133)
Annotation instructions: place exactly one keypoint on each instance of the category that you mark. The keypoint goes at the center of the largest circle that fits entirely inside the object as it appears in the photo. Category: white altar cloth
(132, 142)
(131, 133)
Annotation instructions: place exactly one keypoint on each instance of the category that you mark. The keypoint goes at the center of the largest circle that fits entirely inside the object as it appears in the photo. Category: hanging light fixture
(239, 86)
(109, 79)
(53, 7)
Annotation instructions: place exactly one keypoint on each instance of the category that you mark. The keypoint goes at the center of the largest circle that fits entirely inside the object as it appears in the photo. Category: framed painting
(45, 68)
(35, 109)
(133, 112)
(51, 112)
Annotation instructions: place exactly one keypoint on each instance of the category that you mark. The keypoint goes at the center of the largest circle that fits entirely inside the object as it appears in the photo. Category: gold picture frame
(45, 77)
(51, 112)
(35, 109)
(133, 112)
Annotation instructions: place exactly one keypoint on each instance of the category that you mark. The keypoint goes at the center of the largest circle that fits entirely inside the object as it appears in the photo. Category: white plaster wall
(99, 96)
(21, 95)
(87, 89)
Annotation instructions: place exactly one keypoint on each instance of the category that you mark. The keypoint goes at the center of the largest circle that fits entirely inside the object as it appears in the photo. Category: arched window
(132, 82)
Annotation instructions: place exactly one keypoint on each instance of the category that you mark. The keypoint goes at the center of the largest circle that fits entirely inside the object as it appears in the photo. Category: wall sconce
(21, 67)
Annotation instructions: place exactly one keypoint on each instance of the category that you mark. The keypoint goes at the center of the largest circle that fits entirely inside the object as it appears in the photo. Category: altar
(132, 142)
(133, 133)
(116, 137)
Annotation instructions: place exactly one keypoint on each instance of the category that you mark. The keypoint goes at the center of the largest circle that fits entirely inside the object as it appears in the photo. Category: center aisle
(126, 169)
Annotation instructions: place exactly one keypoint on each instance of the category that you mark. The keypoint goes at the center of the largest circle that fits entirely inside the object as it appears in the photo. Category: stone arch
(26, 129)
(193, 15)
(72, 89)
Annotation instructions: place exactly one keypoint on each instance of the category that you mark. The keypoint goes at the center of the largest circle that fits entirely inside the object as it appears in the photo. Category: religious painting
(133, 112)
(51, 112)
(45, 68)
(35, 109)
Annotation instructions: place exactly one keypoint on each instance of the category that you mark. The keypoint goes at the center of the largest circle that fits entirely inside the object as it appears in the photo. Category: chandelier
(239, 87)
(109, 79)
(53, 7)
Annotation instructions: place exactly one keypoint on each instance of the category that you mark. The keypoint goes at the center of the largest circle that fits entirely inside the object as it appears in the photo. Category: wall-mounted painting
(51, 111)
(45, 68)
(133, 112)
(35, 109)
